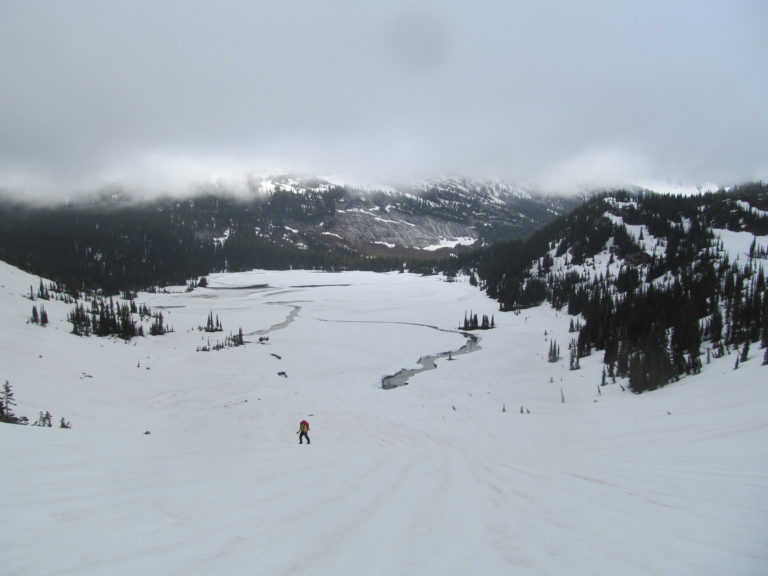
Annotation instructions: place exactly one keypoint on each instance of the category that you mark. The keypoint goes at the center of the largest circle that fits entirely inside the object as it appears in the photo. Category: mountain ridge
(116, 240)
(661, 281)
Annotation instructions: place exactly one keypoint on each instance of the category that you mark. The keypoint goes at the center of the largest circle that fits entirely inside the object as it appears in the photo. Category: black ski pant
(302, 436)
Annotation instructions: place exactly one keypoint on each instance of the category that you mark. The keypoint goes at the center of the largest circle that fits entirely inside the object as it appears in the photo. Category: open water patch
(429, 362)
(295, 309)
(319, 285)
(247, 287)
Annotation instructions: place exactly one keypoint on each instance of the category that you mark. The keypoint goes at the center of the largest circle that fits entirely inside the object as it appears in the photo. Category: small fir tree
(745, 351)
(42, 291)
(7, 402)
(554, 351)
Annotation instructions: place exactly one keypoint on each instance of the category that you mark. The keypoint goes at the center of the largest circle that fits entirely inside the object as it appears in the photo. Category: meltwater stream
(401, 377)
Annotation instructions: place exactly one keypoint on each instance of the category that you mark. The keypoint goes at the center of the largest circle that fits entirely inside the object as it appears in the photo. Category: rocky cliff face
(365, 230)
(432, 216)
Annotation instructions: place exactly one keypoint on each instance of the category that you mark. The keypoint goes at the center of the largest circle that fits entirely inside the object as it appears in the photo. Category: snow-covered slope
(443, 476)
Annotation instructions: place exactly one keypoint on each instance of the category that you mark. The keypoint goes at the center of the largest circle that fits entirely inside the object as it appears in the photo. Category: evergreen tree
(42, 291)
(554, 351)
(44, 419)
(745, 351)
(574, 361)
(212, 325)
(8, 397)
(7, 403)
(716, 325)
(764, 322)
(157, 328)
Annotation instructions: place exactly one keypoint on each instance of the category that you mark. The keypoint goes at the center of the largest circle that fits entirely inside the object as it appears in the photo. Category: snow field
(429, 478)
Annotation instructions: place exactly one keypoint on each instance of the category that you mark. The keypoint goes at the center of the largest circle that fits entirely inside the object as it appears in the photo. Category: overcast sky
(159, 94)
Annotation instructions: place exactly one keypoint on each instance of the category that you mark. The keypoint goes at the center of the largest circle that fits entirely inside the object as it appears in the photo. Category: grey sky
(159, 94)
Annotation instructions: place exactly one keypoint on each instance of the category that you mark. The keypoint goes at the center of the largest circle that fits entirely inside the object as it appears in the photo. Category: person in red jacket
(303, 430)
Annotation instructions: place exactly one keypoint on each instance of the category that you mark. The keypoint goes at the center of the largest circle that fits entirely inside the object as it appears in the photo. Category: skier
(303, 429)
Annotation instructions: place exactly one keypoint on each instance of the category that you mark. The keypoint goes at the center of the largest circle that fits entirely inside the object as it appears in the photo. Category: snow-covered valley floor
(442, 476)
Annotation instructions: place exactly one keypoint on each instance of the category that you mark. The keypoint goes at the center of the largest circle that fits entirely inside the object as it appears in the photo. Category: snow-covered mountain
(440, 214)
(116, 240)
(657, 279)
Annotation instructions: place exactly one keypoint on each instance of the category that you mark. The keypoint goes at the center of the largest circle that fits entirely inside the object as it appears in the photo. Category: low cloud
(595, 169)
(163, 97)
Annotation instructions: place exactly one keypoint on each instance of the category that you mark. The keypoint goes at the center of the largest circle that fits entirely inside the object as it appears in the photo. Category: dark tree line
(139, 246)
(112, 243)
(472, 322)
(652, 319)
(231, 341)
(213, 326)
(102, 317)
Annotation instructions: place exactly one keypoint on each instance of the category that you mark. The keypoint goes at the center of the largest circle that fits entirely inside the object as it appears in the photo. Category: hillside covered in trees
(115, 242)
(117, 246)
(661, 282)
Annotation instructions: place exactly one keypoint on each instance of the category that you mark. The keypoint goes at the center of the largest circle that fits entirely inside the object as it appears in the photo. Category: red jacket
(304, 426)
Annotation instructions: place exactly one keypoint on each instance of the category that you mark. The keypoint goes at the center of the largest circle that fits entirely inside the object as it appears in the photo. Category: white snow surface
(679, 188)
(451, 243)
(749, 208)
(737, 244)
(431, 478)
(640, 234)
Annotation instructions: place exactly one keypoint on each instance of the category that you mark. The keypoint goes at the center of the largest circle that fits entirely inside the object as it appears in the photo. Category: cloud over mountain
(162, 95)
